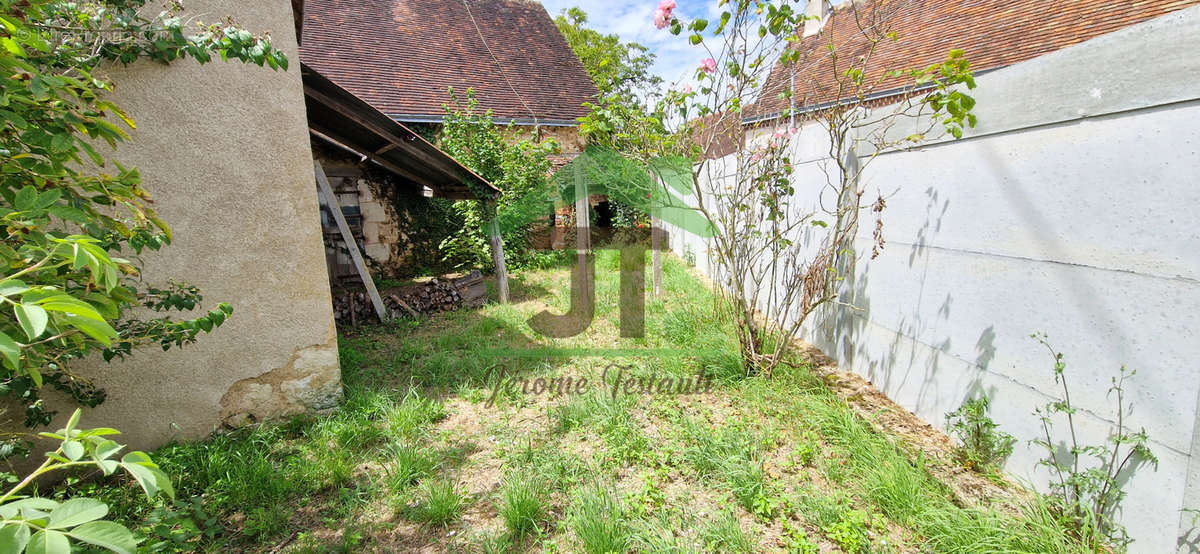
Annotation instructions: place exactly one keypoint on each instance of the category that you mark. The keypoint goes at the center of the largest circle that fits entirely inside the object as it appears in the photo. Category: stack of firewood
(429, 297)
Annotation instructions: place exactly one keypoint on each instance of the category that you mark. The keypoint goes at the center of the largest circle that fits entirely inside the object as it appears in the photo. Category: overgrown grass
(522, 504)
(599, 521)
(755, 465)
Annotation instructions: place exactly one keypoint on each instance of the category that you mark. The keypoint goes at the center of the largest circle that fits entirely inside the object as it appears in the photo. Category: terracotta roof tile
(993, 33)
(402, 55)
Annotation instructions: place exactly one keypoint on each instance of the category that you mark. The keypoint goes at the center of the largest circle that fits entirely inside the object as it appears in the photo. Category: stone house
(405, 55)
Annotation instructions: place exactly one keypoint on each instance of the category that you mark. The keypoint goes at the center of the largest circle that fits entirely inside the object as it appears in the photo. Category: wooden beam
(498, 260)
(385, 134)
(419, 179)
(336, 209)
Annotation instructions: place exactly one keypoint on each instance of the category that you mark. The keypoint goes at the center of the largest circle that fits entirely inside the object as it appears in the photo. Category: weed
(666, 532)
(854, 530)
(982, 445)
(1089, 496)
(748, 482)
(649, 497)
(807, 450)
(265, 522)
(499, 543)
(795, 540)
(178, 525)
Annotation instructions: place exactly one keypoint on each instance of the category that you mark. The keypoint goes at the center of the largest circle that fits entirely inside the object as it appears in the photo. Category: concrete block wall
(1069, 210)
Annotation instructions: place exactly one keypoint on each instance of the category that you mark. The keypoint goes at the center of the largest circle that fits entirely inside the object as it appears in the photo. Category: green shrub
(518, 168)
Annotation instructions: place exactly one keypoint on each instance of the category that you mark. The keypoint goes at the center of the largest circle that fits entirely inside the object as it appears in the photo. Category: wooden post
(583, 214)
(656, 254)
(583, 235)
(498, 260)
(336, 209)
(656, 245)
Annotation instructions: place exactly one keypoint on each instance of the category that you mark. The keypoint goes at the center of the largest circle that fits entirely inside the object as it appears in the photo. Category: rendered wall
(224, 151)
(1070, 210)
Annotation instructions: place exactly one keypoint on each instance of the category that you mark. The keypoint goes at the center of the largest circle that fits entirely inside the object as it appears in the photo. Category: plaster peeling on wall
(311, 380)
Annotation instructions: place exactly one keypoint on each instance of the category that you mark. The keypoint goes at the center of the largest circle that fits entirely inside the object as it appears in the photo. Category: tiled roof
(993, 34)
(402, 55)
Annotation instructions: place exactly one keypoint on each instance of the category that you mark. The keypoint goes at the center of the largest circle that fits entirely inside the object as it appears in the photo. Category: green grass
(725, 534)
(406, 464)
(756, 465)
(522, 504)
(440, 503)
(599, 521)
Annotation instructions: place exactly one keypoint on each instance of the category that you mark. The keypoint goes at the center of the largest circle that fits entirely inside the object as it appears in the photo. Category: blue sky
(633, 20)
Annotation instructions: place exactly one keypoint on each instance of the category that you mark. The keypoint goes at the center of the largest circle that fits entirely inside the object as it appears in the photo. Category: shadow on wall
(842, 329)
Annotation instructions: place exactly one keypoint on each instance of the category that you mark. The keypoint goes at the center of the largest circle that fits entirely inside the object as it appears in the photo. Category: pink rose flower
(662, 16)
(709, 65)
(661, 19)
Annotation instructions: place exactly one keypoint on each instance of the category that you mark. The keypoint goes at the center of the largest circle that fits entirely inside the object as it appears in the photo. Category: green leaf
(12, 47)
(32, 318)
(13, 538)
(152, 479)
(205, 323)
(72, 307)
(62, 142)
(99, 330)
(106, 448)
(68, 213)
(48, 542)
(10, 350)
(25, 199)
(47, 199)
(73, 450)
(11, 287)
(76, 511)
(30, 508)
(106, 534)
